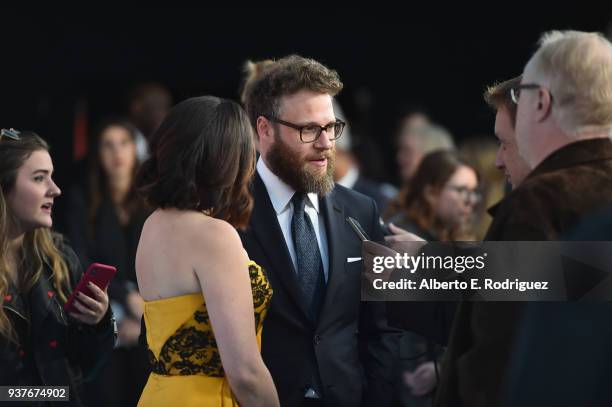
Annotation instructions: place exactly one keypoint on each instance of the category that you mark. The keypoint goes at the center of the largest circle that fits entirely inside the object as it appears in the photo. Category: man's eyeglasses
(311, 132)
(467, 194)
(10, 133)
(515, 92)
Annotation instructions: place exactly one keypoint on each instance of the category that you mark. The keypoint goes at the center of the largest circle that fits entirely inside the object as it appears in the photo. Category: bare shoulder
(213, 234)
(218, 249)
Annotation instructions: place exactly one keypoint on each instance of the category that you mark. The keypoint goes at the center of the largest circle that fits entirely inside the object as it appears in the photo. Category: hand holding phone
(90, 292)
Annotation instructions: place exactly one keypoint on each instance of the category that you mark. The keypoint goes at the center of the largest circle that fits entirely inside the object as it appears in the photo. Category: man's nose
(324, 142)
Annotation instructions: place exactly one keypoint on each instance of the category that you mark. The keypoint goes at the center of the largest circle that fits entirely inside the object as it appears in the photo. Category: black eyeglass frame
(515, 91)
(337, 134)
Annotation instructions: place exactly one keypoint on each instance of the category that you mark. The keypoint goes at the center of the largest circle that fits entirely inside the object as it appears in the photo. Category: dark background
(388, 60)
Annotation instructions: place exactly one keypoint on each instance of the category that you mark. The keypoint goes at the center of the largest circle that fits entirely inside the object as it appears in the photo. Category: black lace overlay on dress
(192, 349)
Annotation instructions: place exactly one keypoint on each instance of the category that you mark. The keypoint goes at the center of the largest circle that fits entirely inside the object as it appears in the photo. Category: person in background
(104, 225)
(346, 168)
(41, 344)
(482, 153)
(416, 139)
(252, 70)
(148, 105)
(439, 201)
(436, 205)
(508, 159)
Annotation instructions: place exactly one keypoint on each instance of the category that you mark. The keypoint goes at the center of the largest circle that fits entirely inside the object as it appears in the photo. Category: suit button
(317, 339)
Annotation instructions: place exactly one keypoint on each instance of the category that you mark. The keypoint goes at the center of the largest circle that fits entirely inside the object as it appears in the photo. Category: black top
(53, 348)
(108, 242)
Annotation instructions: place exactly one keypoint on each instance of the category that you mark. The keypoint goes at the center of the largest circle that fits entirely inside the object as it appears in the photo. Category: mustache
(321, 157)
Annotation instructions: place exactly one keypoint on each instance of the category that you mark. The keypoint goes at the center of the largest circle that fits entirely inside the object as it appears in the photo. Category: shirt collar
(280, 193)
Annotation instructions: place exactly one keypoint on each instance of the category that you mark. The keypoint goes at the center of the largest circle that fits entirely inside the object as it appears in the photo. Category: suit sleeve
(379, 343)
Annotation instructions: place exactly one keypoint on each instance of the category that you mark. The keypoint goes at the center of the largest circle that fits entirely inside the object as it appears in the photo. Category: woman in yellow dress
(204, 300)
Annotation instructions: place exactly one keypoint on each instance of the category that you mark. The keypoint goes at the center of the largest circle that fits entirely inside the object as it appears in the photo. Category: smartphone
(97, 273)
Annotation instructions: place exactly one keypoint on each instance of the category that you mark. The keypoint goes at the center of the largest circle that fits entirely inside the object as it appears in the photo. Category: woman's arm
(223, 274)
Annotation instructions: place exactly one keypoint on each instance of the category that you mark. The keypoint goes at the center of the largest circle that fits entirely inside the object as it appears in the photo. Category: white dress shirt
(280, 194)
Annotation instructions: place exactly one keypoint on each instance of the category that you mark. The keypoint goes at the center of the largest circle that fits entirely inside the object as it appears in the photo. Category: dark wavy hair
(202, 158)
(98, 179)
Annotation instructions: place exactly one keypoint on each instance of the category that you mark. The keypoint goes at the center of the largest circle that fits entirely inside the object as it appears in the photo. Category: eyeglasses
(515, 92)
(311, 132)
(467, 194)
(10, 133)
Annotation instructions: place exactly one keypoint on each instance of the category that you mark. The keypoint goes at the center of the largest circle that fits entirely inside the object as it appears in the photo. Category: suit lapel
(334, 224)
(267, 231)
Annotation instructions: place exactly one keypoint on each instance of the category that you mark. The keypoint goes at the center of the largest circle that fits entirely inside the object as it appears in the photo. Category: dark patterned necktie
(310, 267)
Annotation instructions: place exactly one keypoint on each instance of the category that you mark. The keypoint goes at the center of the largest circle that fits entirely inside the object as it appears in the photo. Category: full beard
(294, 171)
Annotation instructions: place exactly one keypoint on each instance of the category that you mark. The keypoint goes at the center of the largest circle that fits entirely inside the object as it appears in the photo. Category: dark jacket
(54, 349)
(107, 242)
(373, 190)
(571, 183)
(350, 345)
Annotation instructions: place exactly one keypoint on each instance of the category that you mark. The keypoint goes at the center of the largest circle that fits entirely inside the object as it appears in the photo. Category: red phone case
(97, 273)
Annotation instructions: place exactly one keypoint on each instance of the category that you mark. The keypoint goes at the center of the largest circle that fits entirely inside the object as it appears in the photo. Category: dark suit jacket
(371, 189)
(350, 342)
(568, 185)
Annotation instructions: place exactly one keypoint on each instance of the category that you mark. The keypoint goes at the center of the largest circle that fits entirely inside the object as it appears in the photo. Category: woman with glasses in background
(438, 202)
(437, 205)
(41, 344)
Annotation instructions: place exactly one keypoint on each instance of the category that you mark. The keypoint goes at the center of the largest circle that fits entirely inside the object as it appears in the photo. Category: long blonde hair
(39, 246)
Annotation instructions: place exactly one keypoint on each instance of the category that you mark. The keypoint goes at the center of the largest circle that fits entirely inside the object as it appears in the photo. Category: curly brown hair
(284, 77)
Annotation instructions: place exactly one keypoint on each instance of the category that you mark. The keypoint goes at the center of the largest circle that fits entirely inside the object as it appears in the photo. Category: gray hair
(577, 68)
(431, 138)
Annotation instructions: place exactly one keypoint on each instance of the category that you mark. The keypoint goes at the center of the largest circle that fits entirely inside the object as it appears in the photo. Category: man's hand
(423, 380)
(401, 235)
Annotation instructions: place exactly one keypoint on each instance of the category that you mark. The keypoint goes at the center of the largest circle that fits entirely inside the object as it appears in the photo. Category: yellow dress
(185, 360)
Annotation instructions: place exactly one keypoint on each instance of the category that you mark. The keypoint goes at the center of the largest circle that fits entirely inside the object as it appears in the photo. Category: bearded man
(323, 346)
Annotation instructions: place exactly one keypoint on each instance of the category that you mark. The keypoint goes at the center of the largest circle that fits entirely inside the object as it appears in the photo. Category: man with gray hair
(415, 141)
(564, 119)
